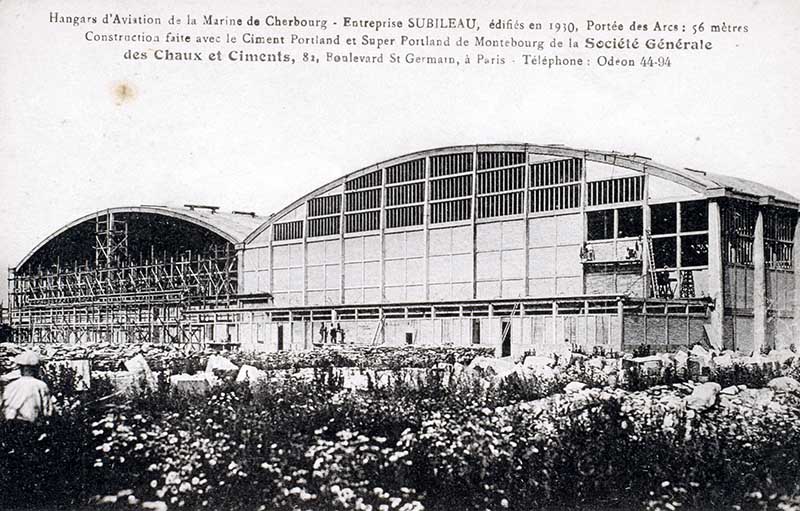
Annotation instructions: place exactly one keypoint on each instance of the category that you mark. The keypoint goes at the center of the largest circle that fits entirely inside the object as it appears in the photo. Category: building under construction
(517, 246)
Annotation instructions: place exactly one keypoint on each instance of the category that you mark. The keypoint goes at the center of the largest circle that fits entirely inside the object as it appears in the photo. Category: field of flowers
(455, 445)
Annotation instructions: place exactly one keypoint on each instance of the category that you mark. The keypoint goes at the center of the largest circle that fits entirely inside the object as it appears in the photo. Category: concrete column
(759, 287)
(796, 266)
(621, 328)
(716, 289)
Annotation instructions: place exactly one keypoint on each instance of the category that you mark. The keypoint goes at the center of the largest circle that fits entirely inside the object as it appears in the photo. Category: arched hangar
(518, 246)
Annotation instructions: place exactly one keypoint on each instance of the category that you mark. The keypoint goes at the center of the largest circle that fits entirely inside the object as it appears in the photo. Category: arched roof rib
(711, 185)
(232, 227)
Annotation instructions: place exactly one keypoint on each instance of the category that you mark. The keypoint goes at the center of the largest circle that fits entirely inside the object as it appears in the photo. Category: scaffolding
(118, 300)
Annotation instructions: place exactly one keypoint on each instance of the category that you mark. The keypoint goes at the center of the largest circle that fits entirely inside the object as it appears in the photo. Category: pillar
(796, 267)
(621, 328)
(554, 315)
(716, 289)
(759, 287)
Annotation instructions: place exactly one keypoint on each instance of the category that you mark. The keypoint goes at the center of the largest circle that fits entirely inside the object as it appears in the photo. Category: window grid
(370, 180)
(404, 216)
(409, 171)
(610, 191)
(361, 200)
(449, 164)
(288, 230)
(359, 222)
(550, 173)
(494, 181)
(322, 206)
(779, 225)
(450, 211)
(739, 227)
(405, 194)
(494, 159)
(451, 187)
(323, 226)
(555, 198)
(501, 204)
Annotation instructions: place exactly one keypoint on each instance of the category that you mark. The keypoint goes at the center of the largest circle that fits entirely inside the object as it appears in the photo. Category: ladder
(378, 329)
(687, 284)
(651, 265)
(517, 306)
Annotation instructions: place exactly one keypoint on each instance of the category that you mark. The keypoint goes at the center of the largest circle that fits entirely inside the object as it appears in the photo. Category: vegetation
(460, 445)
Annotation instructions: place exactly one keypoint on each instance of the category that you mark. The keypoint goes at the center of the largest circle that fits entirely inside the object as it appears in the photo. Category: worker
(27, 398)
(333, 334)
(341, 332)
(323, 334)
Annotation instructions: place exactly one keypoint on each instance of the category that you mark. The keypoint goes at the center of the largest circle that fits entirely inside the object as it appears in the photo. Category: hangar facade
(517, 246)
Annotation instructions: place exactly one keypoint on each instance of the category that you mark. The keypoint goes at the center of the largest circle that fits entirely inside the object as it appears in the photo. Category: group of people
(334, 334)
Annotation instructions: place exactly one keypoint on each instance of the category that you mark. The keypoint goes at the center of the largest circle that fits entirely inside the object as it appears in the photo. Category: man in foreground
(27, 398)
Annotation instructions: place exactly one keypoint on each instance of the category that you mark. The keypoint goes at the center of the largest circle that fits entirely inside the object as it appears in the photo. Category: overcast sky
(257, 136)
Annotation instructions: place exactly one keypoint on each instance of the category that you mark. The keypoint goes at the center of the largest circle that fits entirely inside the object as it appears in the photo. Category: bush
(517, 444)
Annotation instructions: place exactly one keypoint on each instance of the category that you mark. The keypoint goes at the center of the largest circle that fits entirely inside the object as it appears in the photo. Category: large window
(779, 225)
(694, 250)
(664, 218)
(680, 234)
(738, 230)
(629, 222)
(694, 216)
(665, 252)
(680, 246)
(600, 225)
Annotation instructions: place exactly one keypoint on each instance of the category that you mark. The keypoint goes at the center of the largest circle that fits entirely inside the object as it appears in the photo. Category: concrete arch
(217, 226)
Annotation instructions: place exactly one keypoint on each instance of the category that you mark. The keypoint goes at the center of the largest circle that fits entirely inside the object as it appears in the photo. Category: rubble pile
(106, 356)
(165, 357)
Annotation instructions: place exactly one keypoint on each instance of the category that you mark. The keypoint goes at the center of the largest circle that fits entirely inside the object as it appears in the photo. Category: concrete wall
(542, 334)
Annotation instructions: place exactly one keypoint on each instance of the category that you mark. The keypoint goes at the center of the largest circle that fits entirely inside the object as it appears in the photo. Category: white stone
(597, 363)
(490, 366)
(703, 396)
(781, 356)
(681, 359)
(784, 384)
(537, 362)
(138, 364)
(250, 374)
(724, 360)
(216, 362)
(190, 383)
(700, 351)
(574, 387)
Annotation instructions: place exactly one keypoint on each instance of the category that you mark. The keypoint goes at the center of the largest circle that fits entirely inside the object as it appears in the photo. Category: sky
(255, 137)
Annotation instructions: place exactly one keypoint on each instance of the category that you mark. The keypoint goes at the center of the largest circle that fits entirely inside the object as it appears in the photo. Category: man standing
(27, 398)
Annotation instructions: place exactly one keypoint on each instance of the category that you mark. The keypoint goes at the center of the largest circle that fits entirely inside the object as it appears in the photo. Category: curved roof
(233, 227)
(712, 185)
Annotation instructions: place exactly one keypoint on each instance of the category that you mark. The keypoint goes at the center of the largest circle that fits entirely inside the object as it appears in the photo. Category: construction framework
(114, 298)
(519, 246)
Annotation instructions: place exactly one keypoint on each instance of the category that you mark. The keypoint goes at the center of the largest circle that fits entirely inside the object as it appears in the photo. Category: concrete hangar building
(517, 246)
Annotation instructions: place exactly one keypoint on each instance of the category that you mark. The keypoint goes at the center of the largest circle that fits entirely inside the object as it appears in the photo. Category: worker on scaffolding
(323, 334)
(341, 332)
(333, 333)
(27, 399)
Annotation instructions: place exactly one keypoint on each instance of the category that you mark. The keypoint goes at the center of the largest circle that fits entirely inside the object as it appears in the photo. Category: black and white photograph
(379, 256)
